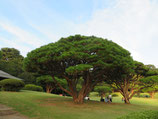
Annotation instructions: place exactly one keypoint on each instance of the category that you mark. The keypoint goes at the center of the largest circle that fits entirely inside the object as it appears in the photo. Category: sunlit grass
(49, 106)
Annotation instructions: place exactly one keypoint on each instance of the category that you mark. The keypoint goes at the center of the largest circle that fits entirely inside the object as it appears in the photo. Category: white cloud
(22, 35)
(12, 44)
(130, 23)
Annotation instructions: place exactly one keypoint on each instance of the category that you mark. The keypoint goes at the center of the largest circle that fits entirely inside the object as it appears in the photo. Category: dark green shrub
(143, 95)
(141, 115)
(11, 85)
(33, 87)
(115, 95)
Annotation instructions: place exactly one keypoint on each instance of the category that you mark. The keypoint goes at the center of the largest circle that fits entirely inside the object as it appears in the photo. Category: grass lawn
(39, 105)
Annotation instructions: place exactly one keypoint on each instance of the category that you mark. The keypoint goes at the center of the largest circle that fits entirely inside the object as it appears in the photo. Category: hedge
(11, 85)
(33, 87)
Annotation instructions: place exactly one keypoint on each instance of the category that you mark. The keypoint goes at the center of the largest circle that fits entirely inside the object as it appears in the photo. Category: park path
(8, 113)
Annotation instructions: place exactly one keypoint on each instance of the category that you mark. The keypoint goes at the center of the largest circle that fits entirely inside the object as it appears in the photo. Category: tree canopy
(10, 54)
(78, 56)
(127, 80)
(150, 81)
(46, 82)
(11, 61)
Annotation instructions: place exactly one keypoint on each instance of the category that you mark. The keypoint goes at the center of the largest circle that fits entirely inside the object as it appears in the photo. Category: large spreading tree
(76, 57)
(127, 80)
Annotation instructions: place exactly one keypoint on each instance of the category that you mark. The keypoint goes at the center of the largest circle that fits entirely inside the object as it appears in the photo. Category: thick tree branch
(61, 86)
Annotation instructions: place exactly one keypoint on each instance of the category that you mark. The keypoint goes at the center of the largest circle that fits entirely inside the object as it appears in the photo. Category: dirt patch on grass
(8, 113)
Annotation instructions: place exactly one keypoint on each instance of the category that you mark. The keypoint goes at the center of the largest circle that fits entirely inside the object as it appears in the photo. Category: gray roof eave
(6, 75)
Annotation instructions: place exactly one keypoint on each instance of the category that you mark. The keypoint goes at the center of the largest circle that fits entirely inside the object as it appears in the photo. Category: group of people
(107, 99)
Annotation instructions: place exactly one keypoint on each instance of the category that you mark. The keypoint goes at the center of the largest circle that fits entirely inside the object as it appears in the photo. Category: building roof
(4, 75)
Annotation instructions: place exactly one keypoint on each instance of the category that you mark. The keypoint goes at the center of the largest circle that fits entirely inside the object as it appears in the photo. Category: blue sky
(29, 24)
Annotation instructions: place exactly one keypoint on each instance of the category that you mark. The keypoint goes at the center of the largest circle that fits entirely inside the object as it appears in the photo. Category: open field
(39, 105)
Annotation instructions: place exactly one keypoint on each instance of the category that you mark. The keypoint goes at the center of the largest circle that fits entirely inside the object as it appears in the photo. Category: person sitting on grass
(110, 98)
(87, 98)
(102, 100)
(106, 99)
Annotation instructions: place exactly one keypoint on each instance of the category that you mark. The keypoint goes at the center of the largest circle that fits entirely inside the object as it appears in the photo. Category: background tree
(102, 89)
(152, 70)
(127, 81)
(150, 85)
(11, 54)
(75, 57)
(12, 61)
(46, 82)
(28, 78)
(150, 81)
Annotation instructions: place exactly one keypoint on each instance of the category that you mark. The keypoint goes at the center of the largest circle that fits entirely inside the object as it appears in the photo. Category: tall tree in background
(78, 57)
(10, 54)
(28, 78)
(11, 61)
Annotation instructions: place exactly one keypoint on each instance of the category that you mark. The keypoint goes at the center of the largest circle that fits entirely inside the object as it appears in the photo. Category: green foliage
(13, 67)
(11, 54)
(142, 115)
(0, 54)
(152, 70)
(140, 68)
(63, 83)
(12, 61)
(27, 77)
(44, 80)
(11, 85)
(76, 54)
(33, 87)
(142, 95)
(150, 81)
(103, 89)
(79, 84)
(115, 95)
(78, 68)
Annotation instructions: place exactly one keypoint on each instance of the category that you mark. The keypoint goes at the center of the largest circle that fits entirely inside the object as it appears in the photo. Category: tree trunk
(78, 97)
(47, 91)
(49, 88)
(126, 100)
(126, 96)
(78, 100)
(151, 94)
